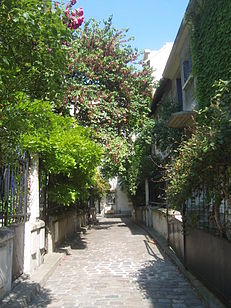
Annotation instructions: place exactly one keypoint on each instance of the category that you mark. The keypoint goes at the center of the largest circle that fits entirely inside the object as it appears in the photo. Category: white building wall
(122, 203)
(158, 59)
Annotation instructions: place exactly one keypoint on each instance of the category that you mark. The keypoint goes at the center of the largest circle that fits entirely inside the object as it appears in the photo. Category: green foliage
(141, 163)
(33, 58)
(109, 93)
(166, 139)
(138, 163)
(33, 68)
(67, 150)
(205, 158)
(211, 40)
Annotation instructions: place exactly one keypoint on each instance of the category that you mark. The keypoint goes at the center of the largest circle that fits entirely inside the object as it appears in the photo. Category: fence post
(34, 236)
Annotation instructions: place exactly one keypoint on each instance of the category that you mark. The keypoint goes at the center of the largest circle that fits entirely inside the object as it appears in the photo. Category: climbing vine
(204, 160)
(211, 40)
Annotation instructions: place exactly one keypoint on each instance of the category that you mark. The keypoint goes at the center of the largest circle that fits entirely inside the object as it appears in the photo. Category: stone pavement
(116, 264)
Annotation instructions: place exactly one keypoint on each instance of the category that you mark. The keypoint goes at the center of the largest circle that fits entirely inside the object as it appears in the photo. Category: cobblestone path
(115, 264)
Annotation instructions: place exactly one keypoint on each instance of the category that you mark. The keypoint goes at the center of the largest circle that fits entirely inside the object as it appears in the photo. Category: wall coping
(56, 216)
(6, 234)
(37, 225)
(171, 212)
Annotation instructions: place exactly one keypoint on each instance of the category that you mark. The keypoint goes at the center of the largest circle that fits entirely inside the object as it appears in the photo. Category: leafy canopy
(108, 90)
(66, 149)
(33, 58)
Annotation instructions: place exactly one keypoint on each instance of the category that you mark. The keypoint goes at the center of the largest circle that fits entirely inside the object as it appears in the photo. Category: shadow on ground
(77, 241)
(159, 279)
(104, 225)
(22, 295)
(42, 299)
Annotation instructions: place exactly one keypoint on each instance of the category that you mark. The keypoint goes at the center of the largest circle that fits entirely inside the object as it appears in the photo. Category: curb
(24, 291)
(208, 298)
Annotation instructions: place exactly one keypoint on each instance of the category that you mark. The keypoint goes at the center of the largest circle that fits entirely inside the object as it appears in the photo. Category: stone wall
(22, 246)
(6, 254)
(18, 250)
(159, 222)
(62, 226)
(157, 219)
(28, 247)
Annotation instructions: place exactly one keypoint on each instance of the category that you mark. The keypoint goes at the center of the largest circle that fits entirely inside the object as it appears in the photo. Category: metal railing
(13, 191)
(199, 212)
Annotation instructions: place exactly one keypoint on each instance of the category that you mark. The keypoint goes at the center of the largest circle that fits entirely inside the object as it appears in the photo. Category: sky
(151, 22)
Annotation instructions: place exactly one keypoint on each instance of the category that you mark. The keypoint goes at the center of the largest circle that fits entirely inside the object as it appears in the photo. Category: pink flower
(73, 2)
(65, 43)
(74, 24)
(80, 12)
(80, 20)
(67, 14)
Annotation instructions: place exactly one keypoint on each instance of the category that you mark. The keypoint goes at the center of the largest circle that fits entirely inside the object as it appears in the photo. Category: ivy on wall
(211, 41)
(203, 159)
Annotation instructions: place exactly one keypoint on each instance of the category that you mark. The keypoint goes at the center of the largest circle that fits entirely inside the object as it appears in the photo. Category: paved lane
(115, 264)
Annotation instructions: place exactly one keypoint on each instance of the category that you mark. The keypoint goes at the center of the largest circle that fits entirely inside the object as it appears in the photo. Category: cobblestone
(116, 265)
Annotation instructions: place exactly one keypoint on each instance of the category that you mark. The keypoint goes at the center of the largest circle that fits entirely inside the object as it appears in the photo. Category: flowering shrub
(73, 18)
(108, 91)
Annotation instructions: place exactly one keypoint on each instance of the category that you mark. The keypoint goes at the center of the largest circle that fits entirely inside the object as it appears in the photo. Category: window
(111, 198)
(187, 68)
(179, 93)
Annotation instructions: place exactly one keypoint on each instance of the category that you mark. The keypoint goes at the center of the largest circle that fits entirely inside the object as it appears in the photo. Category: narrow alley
(116, 264)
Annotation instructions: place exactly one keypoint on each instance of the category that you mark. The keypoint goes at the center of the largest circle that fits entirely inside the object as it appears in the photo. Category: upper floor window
(179, 93)
(187, 68)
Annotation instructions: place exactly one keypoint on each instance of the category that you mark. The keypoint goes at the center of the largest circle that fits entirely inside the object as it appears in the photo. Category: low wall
(207, 256)
(176, 236)
(18, 250)
(63, 226)
(159, 221)
(28, 247)
(154, 217)
(139, 216)
(6, 254)
(37, 248)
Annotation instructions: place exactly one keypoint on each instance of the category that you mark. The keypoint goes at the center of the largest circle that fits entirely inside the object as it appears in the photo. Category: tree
(109, 92)
(34, 39)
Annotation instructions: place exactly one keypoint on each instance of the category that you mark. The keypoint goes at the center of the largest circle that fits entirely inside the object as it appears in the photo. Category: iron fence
(13, 191)
(199, 212)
